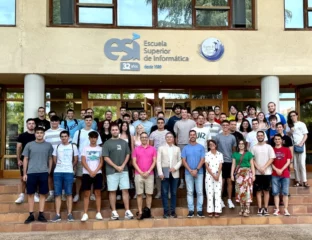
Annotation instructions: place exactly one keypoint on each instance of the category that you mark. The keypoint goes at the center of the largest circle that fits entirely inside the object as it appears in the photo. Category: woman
(232, 112)
(263, 123)
(204, 113)
(136, 139)
(245, 128)
(239, 119)
(213, 163)
(125, 133)
(299, 133)
(243, 173)
(105, 131)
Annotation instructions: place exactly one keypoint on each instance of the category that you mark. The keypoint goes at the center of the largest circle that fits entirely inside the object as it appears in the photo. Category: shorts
(87, 182)
(226, 170)
(63, 181)
(263, 182)
(79, 168)
(280, 185)
(35, 180)
(144, 184)
(118, 179)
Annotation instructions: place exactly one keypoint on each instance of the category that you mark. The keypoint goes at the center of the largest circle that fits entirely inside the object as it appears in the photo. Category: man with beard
(272, 111)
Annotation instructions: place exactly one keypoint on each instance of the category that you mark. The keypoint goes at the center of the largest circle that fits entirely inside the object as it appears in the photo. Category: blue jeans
(63, 181)
(280, 185)
(190, 181)
(173, 184)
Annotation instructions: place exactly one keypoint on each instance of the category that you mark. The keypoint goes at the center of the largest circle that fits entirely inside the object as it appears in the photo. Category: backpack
(65, 124)
(78, 140)
(146, 213)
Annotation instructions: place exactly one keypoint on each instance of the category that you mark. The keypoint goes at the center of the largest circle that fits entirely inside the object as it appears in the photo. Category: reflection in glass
(209, 18)
(63, 12)
(7, 12)
(242, 13)
(294, 14)
(15, 93)
(217, 3)
(95, 15)
(134, 13)
(10, 164)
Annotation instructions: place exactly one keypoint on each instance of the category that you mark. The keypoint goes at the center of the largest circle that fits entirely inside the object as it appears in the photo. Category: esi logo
(211, 49)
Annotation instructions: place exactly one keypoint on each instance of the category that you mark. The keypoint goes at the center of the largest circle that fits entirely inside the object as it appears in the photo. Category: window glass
(104, 94)
(294, 14)
(309, 19)
(309, 3)
(63, 93)
(63, 12)
(7, 12)
(93, 15)
(217, 3)
(286, 106)
(138, 94)
(242, 13)
(15, 93)
(206, 94)
(209, 18)
(96, 1)
(287, 93)
(305, 116)
(173, 93)
(244, 93)
(134, 13)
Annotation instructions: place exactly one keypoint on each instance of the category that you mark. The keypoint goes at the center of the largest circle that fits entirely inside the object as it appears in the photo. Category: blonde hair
(136, 129)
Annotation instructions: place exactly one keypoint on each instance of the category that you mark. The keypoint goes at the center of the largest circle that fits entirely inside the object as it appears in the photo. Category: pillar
(269, 92)
(34, 95)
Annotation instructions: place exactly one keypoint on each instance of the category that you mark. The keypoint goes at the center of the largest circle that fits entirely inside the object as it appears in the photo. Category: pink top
(144, 157)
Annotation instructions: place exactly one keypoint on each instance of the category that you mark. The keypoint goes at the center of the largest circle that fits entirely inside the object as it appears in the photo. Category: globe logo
(212, 49)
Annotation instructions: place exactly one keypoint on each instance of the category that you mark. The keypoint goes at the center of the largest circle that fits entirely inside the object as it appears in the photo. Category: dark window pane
(294, 14)
(95, 15)
(216, 3)
(175, 14)
(63, 12)
(242, 13)
(134, 13)
(7, 12)
(208, 18)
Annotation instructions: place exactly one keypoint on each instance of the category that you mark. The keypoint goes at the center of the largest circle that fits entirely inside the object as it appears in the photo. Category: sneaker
(50, 198)
(64, 198)
(115, 215)
(92, 197)
(158, 195)
(222, 204)
(276, 212)
(286, 213)
(260, 211)
(20, 198)
(200, 214)
(118, 198)
(70, 217)
(173, 215)
(230, 204)
(30, 219)
(265, 212)
(36, 197)
(98, 216)
(41, 218)
(190, 214)
(182, 185)
(57, 218)
(76, 198)
(128, 215)
(166, 216)
(85, 217)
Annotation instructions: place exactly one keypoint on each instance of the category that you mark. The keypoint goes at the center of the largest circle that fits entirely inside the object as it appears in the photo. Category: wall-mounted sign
(211, 49)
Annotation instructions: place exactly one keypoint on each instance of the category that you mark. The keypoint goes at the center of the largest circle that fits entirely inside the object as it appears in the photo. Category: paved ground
(279, 232)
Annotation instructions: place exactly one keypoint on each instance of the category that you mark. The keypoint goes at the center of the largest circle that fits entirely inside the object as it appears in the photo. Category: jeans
(190, 180)
(280, 185)
(173, 184)
(63, 181)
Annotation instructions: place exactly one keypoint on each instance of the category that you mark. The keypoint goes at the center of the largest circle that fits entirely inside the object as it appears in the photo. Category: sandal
(217, 215)
(306, 184)
(210, 215)
(297, 184)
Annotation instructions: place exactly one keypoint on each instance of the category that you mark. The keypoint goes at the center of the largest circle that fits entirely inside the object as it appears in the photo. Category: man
(251, 114)
(233, 127)
(203, 133)
(222, 117)
(116, 154)
(281, 174)
(159, 115)
(51, 113)
(272, 111)
(82, 114)
(217, 111)
(286, 141)
(37, 165)
(126, 117)
(181, 129)
(108, 116)
(176, 117)
(135, 116)
(195, 115)
(226, 143)
(88, 112)
(193, 158)
(212, 125)
(122, 112)
(252, 138)
(263, 158)
(81, 139)
(157, 109)
(22, 140)
(272, 130)
(143, 120)
(40, 120)
(157, 139)
(168, 165)
(233, 112)
(52, 136)
(65, 157)
(70, 124)
(144, 161)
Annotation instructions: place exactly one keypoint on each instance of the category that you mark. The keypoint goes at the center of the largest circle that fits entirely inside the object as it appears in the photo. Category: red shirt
(282, 154)
(217, 120)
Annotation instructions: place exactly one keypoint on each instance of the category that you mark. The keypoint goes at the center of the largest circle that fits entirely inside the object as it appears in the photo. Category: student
(70, 124)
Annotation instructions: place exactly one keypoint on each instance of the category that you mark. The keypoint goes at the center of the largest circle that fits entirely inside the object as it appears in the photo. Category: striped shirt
(215, 129)
(53, 136)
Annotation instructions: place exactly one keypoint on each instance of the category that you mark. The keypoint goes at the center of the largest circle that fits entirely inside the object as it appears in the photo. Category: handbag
(298, 149)
(238, 166)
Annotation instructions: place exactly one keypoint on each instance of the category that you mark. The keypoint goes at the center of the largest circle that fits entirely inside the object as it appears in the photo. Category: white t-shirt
(262, 154)
(300, 130)
(84, 140)
(252, 138)
(64, 157)
(93, 158)
(53, 136)
(203, 135)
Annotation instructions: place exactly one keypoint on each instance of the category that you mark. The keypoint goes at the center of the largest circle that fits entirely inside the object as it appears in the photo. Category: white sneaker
(98, 216)
(286, 213)
(128, 215)
(222, 204)
(230, 204)
(76, 198)
(115, 215)
(85, 217)
(169, 195)
(118, 197)
(182, 185)
(64, 198)
(50, 198)
(158, 195)
(92, 197)
(20, 198)
(143, 195)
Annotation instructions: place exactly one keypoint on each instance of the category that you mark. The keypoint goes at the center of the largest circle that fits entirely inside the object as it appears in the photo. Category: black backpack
(65, 124)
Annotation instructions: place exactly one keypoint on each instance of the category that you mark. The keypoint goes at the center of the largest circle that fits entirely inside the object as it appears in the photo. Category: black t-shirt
(238, 136)
(25, 138)
(42, 123)
(287, 142)
(105, 137)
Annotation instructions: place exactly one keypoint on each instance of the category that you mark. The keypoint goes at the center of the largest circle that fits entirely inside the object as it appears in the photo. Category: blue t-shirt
(171, 122)
(270, 133)
(280, 118)
(93, 126)
(72, 126)
(193, 154)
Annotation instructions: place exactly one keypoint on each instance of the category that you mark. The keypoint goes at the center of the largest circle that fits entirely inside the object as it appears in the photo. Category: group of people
(205, 151)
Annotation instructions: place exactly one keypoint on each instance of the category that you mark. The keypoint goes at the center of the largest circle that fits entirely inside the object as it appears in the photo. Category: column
(269, 92)
(34, 95)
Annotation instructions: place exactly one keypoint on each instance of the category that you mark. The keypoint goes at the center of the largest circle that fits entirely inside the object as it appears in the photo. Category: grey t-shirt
(38, 156)
(225, 145)
(116, 150)
(182, 128)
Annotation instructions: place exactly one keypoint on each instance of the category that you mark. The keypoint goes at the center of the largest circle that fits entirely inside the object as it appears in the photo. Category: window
(7, 12)
(186, 14)
(298, 14)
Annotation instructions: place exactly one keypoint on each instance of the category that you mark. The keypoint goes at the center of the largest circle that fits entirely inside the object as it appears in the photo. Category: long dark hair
(241, 126)
(103, 135)
(109, 125)
(289, 121)
(236, 119)
(245, 145)
(127, 132)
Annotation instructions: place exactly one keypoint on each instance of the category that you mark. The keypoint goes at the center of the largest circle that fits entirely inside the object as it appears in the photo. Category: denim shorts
(118, 179)
(280, 185)
(63, 181)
